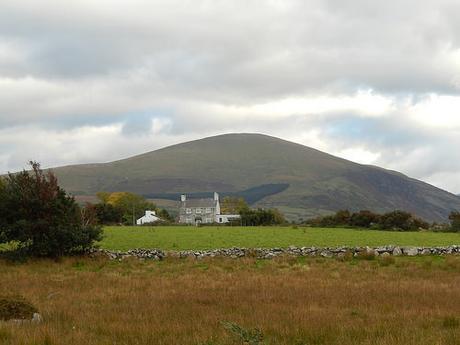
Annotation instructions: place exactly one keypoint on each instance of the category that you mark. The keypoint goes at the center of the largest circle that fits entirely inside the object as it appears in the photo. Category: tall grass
(291, 301)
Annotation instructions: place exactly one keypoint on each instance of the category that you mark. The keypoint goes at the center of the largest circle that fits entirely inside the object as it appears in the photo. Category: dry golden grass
(292, 301)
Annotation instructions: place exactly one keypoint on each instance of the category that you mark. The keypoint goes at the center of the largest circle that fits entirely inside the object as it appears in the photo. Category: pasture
(189, 237)
(290, 300)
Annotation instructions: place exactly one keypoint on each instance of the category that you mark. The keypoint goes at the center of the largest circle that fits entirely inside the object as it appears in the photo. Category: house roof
(199, 203)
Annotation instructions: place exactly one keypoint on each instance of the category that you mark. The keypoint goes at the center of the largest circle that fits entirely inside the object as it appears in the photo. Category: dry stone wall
(268, 253)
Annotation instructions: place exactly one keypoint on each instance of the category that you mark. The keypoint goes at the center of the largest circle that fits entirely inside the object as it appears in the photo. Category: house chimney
(183, 198)
(216, 196)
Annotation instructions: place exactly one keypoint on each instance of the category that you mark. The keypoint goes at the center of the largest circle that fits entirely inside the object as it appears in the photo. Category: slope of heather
(317, 182)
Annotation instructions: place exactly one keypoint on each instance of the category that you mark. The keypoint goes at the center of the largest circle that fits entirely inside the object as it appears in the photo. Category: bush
(364, 219)
(403, 221)
(16, 308)
(261, 217)
(396, 220)
(243, 335)
(41, 218)
(454, 218)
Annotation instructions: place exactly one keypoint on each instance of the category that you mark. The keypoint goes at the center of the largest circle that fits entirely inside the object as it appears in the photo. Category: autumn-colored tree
(233, 205)
(125, 207)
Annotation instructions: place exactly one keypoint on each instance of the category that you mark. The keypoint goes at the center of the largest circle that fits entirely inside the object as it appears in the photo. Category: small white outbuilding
(149, 217)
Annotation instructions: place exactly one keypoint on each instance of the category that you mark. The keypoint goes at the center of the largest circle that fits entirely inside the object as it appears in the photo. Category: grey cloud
(71, 67)
(247, 50)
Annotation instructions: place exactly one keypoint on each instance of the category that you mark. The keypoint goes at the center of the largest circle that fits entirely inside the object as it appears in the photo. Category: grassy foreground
(291, 300)
(189, 237)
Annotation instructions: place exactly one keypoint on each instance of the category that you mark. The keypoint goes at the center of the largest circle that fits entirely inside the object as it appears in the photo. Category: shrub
(16, 307)
(364, 219)
(400, 220)
(396, 220)
(260, 216)
(41, 218)
(454, 218)
(245, 336)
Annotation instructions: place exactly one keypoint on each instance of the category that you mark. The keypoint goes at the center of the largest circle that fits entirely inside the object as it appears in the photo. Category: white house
(225, 218)
(207, 211)
(149, 217)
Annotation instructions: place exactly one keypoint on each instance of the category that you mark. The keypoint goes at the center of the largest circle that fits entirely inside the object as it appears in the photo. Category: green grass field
(184, 237)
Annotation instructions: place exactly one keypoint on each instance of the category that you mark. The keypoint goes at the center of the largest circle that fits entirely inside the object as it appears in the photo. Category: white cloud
(440, 111)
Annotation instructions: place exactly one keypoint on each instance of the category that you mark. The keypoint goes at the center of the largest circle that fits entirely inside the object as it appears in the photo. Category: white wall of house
(225, 218)
(149, 217)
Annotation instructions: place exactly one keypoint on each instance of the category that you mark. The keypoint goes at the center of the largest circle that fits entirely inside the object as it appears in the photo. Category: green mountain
(300, 181)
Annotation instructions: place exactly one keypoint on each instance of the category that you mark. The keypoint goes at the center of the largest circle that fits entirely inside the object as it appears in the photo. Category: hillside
(299, 180)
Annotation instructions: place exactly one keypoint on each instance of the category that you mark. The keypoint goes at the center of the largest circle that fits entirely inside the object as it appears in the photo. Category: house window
(208, 220)
(220, 219)
(198, 210)
(208, 210)
(188, 210)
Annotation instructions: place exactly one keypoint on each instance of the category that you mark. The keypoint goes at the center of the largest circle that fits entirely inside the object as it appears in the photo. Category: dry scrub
(291, 301)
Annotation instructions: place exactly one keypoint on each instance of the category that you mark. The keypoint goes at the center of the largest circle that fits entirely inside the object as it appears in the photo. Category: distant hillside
(313, 182)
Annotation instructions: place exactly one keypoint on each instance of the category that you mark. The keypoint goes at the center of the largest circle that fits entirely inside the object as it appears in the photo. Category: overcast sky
(376, 82)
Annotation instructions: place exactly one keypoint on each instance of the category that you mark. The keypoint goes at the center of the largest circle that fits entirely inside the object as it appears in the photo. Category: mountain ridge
(319, 183)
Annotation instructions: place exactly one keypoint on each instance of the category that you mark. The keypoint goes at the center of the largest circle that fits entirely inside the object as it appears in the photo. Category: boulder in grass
(17, 308)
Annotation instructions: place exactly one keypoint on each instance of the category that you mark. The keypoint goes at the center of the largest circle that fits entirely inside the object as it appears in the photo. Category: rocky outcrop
(268, 253)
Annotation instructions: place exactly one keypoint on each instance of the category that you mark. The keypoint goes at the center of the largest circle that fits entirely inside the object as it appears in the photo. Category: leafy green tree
(340, 218)
(400, 220)
(250, 217)
(164, 214)
(364, 219)
(40, 217)
(454, 218)
(108, 214)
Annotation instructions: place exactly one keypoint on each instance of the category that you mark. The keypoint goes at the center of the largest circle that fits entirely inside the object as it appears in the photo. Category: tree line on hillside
(395, 220)
(123, 208)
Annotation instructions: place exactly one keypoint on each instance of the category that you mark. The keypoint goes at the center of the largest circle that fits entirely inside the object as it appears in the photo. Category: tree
(340, 218)
(233, 205)
(260, 216)
(103, 197)
(40, 217)
(164, 214)
(108, 214)
(454, 218)
(364, 219)
(400, 220)
(131, 205)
